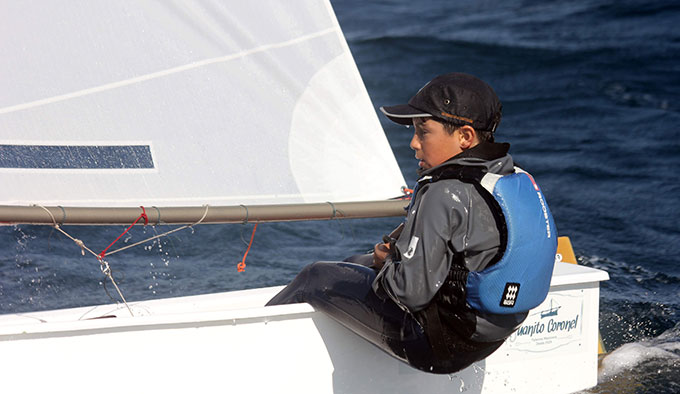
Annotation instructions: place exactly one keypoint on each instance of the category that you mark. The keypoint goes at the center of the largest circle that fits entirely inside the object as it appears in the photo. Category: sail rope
(141, 216)
(241, 266)
(104, 265)
(205, 213)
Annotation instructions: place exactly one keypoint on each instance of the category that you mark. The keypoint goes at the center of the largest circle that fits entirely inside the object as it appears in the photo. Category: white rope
(104, 265)
(78, 242)
(106, 270)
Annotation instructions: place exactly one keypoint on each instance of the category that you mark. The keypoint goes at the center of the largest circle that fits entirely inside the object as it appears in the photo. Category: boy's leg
(344, 292)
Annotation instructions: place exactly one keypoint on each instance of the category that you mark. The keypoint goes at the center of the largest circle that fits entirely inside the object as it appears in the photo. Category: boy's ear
(468, 137)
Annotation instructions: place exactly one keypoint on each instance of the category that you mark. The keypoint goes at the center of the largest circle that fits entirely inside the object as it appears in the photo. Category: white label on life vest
(411, 247)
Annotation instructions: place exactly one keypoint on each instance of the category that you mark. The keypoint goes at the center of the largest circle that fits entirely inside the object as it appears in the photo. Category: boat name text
(551, 326)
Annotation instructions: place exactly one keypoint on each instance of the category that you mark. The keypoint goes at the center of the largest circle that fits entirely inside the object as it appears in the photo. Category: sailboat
(200, 112)
(550, 312)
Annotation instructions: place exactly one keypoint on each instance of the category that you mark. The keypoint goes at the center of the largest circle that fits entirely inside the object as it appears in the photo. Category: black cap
(456, 98)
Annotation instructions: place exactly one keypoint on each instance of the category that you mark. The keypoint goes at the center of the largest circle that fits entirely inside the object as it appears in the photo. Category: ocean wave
(570, 26)
(489, 42)
(641, 281)
(623, 94)
(642, 363)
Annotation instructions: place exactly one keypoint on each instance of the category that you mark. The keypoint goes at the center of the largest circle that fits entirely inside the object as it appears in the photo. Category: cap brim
(403, 114)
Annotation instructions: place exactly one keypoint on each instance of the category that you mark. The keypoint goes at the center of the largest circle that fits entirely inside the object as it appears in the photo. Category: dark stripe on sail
(76, 156)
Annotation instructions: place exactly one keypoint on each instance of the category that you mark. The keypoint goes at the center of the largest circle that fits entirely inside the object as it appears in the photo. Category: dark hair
(482, 135)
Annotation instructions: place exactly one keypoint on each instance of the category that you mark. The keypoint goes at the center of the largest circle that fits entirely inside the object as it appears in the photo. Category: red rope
(141, 216)
(241, 266)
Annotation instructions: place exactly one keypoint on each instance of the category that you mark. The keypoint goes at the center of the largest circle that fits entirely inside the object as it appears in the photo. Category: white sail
(184, 103)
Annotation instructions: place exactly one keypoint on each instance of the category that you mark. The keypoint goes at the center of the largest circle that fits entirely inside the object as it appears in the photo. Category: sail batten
(248, 104)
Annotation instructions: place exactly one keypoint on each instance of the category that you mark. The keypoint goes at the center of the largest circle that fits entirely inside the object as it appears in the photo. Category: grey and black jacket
(449, 230)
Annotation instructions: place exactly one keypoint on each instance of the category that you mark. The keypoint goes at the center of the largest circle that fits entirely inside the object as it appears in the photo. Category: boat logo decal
(555, 324)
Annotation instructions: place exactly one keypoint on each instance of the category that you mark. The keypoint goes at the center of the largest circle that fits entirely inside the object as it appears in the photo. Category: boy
(474, 254)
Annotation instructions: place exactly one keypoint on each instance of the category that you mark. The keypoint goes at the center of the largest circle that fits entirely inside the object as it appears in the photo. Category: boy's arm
(382, 250)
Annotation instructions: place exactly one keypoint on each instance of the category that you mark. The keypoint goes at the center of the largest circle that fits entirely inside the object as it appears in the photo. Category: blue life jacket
(520, 280)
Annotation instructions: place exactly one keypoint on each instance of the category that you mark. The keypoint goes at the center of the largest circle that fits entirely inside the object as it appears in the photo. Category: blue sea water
(591, 95)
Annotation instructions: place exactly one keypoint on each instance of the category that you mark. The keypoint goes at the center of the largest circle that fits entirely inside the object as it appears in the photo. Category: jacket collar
(484, 151)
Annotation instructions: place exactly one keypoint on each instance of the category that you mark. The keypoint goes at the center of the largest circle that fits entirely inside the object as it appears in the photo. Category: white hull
(229, 342)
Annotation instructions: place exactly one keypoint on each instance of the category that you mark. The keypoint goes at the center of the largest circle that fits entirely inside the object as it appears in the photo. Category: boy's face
(433, 144)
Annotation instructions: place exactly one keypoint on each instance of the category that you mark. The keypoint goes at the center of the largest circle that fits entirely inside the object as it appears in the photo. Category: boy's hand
(382, 250)
(380, 253)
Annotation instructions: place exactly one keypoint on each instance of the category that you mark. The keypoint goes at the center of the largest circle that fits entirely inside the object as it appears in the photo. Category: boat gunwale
(216, 309)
